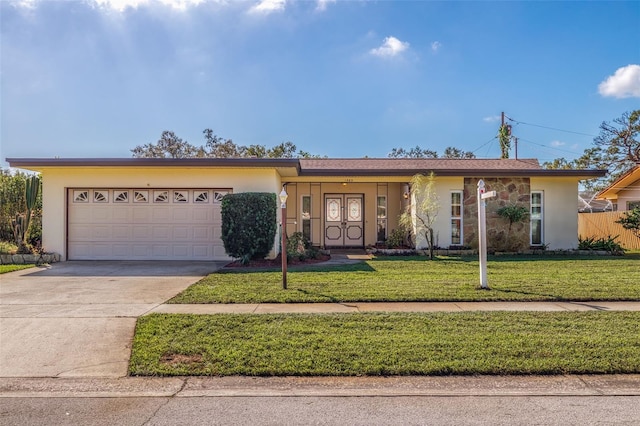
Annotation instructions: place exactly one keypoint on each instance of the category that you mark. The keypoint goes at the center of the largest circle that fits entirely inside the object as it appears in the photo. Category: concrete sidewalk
(272, 308)
(236, 386)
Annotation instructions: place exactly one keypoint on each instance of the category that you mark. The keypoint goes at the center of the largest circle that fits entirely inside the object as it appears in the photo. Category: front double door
(344, 220)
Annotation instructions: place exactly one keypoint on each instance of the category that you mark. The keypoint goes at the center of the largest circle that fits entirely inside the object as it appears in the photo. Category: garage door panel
(81, 214)
(181, 250)
(80, 233)
(122, 232)
(201, 233)
(161, 232)
(122, 214)
(161, 251)
(141, 214)
(141, 232)
(181, 233)
(161, 214)
(141, 251)
(180, 214)
(135, 224)
(101, 215)
(201, 251)
(102, 232)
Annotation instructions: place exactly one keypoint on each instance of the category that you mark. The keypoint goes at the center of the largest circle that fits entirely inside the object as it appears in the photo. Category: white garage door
(145, 224)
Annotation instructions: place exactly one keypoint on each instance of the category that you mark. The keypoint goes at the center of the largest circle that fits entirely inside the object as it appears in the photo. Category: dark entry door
(344, 220)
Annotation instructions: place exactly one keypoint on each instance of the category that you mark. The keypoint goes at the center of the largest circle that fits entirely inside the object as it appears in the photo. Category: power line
(549, 147)
(484, 144)
(550, 128)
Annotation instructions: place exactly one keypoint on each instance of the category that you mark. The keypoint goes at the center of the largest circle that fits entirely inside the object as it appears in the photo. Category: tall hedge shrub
(249, 224)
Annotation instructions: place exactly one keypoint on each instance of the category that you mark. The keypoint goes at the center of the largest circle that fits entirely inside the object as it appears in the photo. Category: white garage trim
(145, 224)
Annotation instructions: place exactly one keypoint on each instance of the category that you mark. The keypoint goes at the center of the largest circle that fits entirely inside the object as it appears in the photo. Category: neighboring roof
(623, 182)
(328, 166)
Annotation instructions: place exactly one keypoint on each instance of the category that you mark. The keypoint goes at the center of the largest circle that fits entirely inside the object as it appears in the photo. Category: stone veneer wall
(515, 190)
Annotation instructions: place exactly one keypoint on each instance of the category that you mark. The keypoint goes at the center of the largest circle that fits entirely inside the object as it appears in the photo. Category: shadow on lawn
(534, 296)
(562, 257)
(318, 267)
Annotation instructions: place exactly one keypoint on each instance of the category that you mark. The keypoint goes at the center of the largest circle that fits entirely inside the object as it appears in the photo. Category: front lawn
(10, 268)
(520, 278)
(387, 344)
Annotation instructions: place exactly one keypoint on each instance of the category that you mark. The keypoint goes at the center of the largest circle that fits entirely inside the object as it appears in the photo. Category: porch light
(283, 198)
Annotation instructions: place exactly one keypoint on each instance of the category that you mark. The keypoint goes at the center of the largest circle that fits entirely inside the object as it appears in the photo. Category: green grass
(10, 268)
(388, 344)
(519, 278)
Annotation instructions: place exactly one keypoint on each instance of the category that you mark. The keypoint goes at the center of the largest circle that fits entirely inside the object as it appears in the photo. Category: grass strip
(387, 344)
(10, 268)
(414, 279)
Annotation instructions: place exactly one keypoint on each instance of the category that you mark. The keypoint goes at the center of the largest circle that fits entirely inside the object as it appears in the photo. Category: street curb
(463, 386)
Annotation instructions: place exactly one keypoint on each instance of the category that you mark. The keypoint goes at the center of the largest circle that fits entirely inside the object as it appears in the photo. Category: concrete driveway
(76, 319)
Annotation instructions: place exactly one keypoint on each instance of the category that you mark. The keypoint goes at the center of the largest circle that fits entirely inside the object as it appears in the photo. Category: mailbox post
(482, 232)
(283, 228)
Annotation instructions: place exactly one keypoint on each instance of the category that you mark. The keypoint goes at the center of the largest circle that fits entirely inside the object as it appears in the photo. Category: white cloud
(556, 144)
(624, 83)
(122, 5)
(435, 46)
(492, 119)
(268, 6)
(390, 47)
(25, 4)
(322, 5)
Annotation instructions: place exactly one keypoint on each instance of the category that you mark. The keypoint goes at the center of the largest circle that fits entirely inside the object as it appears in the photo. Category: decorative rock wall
(510, 191)
(23, 259)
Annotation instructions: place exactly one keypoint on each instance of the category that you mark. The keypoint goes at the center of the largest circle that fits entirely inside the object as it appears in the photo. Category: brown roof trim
(583, 174)
(385, 167)
(154, 162)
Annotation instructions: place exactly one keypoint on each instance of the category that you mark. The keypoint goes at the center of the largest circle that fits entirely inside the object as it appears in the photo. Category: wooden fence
(603, 225)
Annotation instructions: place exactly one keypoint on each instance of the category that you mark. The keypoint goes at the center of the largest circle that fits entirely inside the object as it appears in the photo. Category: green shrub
(513, 213)
(397, 238)
(299, 248)
(12, 202)
(7, 247)
(600, 244)
(631, 220)
(249, 224)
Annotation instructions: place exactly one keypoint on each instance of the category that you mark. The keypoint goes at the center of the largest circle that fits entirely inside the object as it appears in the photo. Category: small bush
(249, 224)
(513, 213)
(397, 238)
(600, 244)
(299, 248)
(631, 221)
(8, 248)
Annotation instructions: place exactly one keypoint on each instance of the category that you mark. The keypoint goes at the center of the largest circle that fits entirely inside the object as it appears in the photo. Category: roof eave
(580, 174)
(611, 191)
(40, 163)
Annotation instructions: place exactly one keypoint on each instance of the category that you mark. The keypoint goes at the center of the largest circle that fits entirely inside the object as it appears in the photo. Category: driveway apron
(77, 319)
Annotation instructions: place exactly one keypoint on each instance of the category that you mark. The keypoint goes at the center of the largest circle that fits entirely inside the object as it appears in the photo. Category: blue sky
(95, 78)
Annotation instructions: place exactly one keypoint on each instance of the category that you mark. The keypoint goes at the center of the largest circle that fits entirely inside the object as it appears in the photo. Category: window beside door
(536, 214)
(456, 218)
(382, 218)
(306, 216)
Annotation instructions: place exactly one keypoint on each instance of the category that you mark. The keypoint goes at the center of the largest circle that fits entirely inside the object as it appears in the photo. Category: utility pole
(515, 139)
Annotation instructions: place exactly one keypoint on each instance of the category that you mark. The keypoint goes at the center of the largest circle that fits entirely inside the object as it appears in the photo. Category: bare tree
(425, 207)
